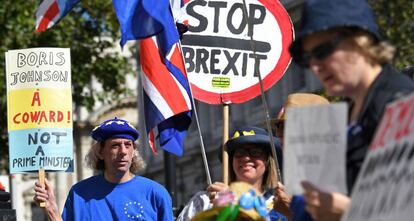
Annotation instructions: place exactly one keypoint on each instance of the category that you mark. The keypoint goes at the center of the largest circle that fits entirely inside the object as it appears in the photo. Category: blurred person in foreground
(250, 161)
(117, 193)
(338, 41)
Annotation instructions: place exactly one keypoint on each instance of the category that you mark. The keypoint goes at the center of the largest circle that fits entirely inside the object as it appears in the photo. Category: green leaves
(396, 22)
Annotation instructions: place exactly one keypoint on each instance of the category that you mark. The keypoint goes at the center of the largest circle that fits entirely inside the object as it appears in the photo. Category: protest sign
(314, 147)
(384, 188)
(39, 109)
(227, 40)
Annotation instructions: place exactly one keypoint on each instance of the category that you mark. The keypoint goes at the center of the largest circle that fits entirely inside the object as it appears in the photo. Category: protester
(338, 41)
(250, 161)
(117, 193)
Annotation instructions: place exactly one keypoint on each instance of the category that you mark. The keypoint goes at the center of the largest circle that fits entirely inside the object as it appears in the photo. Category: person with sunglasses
(250, 161)
(338, 41)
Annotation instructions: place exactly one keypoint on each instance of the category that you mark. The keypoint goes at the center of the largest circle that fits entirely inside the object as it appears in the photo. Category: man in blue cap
(338, 41)
(117, 193)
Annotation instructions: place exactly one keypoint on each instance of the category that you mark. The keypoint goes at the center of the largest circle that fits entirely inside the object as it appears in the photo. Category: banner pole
(224, 153)
(202, 148)
(265, 107)
(42, 183)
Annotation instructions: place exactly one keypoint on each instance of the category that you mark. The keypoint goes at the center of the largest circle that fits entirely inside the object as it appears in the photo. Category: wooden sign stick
(224, 153)
(42, 183)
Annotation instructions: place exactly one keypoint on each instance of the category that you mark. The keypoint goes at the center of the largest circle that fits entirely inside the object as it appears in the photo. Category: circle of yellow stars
(135, 204)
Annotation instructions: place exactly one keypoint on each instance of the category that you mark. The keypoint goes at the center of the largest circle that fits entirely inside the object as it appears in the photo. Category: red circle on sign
(286, 29)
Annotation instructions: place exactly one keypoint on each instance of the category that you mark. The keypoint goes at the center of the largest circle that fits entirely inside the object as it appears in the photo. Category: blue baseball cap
(253, 135)
(114, 128)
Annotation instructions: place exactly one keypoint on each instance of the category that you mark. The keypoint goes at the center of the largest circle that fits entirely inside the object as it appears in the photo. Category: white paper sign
(315, 145)
(384, 189)
(39, 109)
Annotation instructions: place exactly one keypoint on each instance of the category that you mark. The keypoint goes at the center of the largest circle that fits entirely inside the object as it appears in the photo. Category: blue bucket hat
(114, 128)
(322, 15)
(253, 135)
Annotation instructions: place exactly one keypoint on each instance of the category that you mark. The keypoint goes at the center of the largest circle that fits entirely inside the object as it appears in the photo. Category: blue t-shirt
(137, 199)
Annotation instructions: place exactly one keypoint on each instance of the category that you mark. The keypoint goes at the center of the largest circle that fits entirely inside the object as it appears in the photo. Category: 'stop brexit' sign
(229, 43)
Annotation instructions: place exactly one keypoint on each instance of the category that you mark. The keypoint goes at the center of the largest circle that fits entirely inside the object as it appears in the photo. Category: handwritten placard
(315, 145)
(39, 109)
(384, 188)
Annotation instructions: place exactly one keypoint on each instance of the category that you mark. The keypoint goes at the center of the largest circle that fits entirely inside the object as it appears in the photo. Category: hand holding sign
(44, 195)
(322, 205)
(282, 200)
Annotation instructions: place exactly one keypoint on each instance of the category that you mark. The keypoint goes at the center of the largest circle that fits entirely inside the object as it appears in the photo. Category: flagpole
(224, 154)
(202, 148)
(265, 107)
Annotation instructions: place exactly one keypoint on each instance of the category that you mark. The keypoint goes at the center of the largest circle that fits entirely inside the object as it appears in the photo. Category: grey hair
(92, 159)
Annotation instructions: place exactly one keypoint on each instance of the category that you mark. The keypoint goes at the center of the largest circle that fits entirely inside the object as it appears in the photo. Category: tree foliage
(89, 31)
(396, 22)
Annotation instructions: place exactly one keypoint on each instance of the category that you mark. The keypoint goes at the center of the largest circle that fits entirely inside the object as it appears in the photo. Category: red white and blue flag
(50, 12)
(167, 96)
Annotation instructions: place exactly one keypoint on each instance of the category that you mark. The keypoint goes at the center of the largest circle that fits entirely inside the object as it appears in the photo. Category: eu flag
(142, 18)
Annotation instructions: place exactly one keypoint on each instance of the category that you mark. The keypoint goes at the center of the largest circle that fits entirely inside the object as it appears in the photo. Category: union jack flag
(166, 90)
(50, 12)
(167, 103)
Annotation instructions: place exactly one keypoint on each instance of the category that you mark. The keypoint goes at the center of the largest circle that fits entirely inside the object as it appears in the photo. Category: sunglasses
(320, 52)
(255, 152)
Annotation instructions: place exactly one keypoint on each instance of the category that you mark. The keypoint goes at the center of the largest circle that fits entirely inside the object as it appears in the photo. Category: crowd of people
(339, 42)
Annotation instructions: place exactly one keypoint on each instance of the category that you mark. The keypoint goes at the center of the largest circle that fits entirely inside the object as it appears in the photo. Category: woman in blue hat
(116, 193)
(250, 161)
(338, 41)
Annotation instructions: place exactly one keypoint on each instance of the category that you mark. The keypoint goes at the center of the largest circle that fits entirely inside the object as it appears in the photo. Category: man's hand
(47, 196)
(322, 205)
